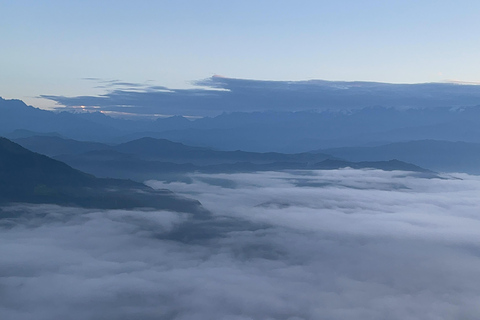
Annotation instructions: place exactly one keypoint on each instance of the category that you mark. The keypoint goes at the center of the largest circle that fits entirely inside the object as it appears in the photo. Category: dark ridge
(26, 176)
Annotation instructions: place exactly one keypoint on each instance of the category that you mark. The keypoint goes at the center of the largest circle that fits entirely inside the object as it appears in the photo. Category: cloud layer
(340, 244)
(242, 95)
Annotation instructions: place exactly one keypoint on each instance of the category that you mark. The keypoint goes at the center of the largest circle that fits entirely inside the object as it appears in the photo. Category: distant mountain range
(149, 158)
(161, 150)
(440, 138)
(285, 132)
(26, 176)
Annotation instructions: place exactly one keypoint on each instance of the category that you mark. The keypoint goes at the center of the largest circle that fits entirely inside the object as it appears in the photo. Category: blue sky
(47, 47)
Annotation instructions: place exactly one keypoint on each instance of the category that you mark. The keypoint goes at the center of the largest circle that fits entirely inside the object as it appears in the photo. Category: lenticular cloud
(339, 244)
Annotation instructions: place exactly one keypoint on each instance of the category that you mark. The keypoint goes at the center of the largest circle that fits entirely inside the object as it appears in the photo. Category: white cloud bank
(340, 244)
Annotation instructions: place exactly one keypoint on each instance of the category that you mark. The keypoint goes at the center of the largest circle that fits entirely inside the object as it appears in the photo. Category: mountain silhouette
(26, 176)
(149, 158)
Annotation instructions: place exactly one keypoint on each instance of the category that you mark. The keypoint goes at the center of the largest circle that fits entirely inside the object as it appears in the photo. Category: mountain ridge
(26, 176)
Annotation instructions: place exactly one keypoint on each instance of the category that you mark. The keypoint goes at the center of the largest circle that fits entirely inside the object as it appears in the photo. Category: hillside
(30, 177)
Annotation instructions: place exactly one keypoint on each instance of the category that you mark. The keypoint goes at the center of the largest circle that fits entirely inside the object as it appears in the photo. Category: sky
(337, 244)
(50, 47)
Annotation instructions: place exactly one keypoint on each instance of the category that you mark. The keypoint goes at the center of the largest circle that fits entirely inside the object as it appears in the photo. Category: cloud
(476, 83)
(220, 94)
(340, 244)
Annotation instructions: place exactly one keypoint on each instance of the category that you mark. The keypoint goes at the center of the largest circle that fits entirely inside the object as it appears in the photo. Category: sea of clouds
(337, 244)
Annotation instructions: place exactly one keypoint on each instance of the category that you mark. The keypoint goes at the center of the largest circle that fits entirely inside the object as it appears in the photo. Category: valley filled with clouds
(334, 244)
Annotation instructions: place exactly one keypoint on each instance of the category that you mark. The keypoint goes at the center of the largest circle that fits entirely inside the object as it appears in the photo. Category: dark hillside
(30, 177)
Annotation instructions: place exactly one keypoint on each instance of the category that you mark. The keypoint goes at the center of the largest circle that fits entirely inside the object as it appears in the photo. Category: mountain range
(30, 177)
(149, 158)
(267, 131)
(26, 176)
(439, 138)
